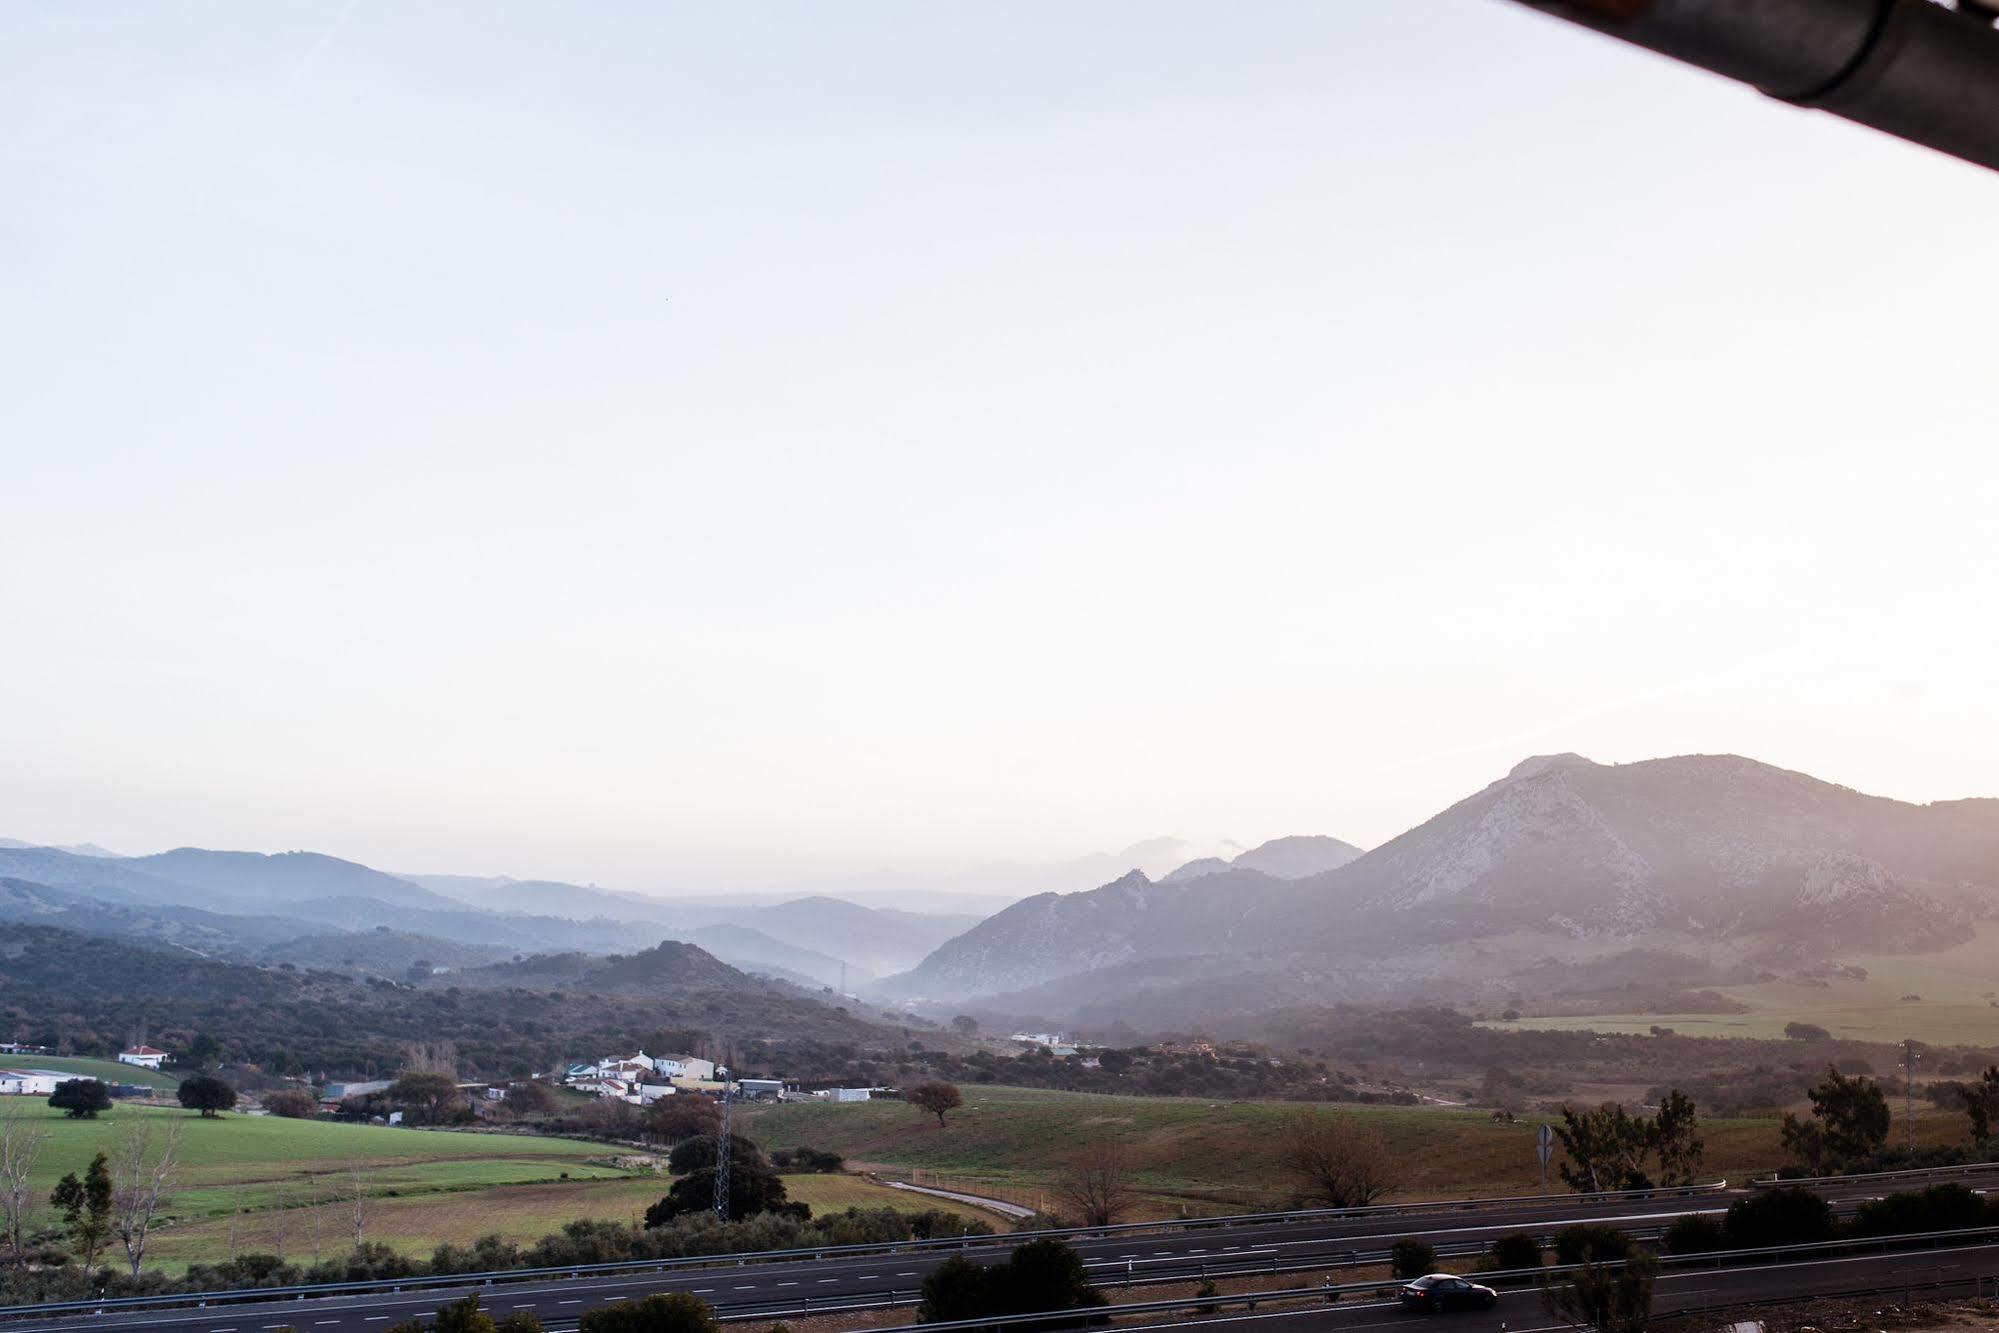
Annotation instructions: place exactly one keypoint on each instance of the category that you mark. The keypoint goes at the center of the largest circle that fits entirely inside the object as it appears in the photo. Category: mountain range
(1700, 865)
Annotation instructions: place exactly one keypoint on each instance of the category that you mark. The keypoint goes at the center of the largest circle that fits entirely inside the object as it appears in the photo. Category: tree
(357, 1200)
(417, 972)
(1040, 1275)
(139, 1181)
(678, 1118)
(1981, 1101)
(1335, 1159)
(1603, 1149)
(1094, 1185)
(1852, 1114)
(956, 1289)
(1804, 1140)
(21, 1143)
(1695, 1233)
(935, 1098)
(1611, 1297)
(86, 1208)
(1674, 1140)
(1044, 1275)
(1806, 1032)
(966, 1025)
(662, 1312)
(1787, 1215)
(203, 1051)
(699, 1154)
(207, 1094)
(291, 1103)
(530, 1100)
(1410, 1257)
(753, 1188)
(81, 1098)
(426, 1098)
(1591, 1242)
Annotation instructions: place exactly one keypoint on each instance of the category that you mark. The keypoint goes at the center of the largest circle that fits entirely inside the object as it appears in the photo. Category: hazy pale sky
(688, 445)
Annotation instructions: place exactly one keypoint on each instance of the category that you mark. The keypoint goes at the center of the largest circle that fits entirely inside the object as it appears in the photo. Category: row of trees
(118, 1196)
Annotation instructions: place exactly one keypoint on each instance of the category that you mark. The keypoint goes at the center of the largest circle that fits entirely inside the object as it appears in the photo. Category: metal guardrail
(1863, 1177)
(303, 1291)
(805, 1305)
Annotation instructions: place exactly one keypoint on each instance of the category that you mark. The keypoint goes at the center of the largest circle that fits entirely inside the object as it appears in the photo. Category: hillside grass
(1957, 1002)
(86, 1067)
(1185, 1155)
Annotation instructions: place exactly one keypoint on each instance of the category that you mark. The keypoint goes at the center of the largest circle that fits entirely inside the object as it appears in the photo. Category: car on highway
(1438, 1293)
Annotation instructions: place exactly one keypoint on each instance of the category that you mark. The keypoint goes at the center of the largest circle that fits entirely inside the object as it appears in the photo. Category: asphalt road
(789, 1287)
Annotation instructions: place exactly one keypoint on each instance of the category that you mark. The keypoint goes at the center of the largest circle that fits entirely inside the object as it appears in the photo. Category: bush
(1040, 1275)
(1520, 1250)
(1410, 1257)
(662, 1312)
(1695, 1233)
(291, 1103)
(1787, 1215)
(1806, 1032)
(1591, 1243)
(810, 1161)
(1948, 1207)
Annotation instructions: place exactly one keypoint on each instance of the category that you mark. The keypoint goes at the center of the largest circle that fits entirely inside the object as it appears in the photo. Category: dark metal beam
(1908, 67)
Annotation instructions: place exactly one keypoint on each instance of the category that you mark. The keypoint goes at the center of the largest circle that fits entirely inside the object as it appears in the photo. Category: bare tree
(21, 1142)
(1336, 1159)
(138, 1182)
(1095, 1186)
(357, 1200)
(312, 1217)
(432, 1057)
(281, 1218)
(235, 1221)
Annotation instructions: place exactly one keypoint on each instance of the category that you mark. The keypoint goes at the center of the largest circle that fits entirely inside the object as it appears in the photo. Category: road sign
(1544, 1146)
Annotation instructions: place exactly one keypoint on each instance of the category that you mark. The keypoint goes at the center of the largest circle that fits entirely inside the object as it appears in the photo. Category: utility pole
(722, 1147)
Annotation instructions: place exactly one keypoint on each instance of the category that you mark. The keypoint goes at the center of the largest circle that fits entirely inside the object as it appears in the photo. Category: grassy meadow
(262, 1183)
(1955, 1002)
(1185, 1155)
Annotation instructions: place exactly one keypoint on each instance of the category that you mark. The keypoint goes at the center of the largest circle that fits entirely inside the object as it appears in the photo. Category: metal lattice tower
(722, 1156)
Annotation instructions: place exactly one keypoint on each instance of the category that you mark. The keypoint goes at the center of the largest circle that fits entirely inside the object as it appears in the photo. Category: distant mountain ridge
(1698, 852)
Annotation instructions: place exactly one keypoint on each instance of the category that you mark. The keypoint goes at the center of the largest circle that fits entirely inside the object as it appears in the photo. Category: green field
(1184, 1154)
(84, 1067)
(268, 1184)
(1956, 1002)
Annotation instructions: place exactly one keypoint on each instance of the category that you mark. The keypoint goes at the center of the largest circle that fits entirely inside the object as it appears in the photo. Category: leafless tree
(1337, 1160)
(235, 1221)
(21, 1142)
(432, 1057)
(357, 1200)
(1095, 1186)
(139, 1179)
(312, 1218)
(281, 1218)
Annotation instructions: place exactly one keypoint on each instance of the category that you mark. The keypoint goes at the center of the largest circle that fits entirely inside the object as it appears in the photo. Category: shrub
(1787, 1215)
(1695, 1233)
(1520, 1250)
(291, 1103)
(1591, 1243)
(1947, 1207)
(1410, 1257)
(662, 1312)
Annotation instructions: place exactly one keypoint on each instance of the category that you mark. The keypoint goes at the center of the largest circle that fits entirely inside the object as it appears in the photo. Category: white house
(146, 1057)
(842, 1094)
(28, 1082)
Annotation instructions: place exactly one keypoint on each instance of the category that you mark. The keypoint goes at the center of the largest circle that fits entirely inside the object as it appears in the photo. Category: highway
(1113, 1262)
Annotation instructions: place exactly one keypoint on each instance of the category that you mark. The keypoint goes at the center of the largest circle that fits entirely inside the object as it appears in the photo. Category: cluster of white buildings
(641, 1079)
(30, 1082)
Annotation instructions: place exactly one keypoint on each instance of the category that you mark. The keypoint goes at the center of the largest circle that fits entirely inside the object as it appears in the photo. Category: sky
(687, 447)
